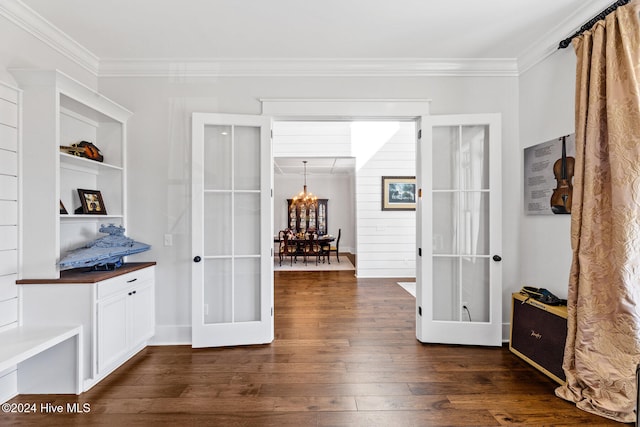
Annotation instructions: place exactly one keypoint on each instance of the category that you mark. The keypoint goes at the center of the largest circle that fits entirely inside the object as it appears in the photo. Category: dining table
(323, 240)
(326, 238)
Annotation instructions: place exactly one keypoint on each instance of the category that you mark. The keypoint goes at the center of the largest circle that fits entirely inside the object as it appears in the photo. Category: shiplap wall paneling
(9, 192)
(320, 139)
(9, 119)
(386, 239)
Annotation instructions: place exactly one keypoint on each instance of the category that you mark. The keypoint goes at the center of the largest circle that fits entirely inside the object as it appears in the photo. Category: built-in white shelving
(59, 111)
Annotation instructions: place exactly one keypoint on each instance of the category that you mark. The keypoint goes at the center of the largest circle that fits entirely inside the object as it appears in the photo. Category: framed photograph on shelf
(399, 193)
(63, 210)
(91, 201)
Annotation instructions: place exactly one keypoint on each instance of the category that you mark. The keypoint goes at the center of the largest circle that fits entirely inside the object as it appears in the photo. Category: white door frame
(345, 109)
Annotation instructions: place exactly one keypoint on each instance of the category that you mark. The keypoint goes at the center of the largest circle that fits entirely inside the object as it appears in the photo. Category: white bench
(48, 360)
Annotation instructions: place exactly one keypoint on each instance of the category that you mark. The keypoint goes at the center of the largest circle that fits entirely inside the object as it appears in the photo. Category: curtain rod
(564, 43)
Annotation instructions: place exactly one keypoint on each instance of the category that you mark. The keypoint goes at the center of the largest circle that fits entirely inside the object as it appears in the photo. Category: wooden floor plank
(345, 354)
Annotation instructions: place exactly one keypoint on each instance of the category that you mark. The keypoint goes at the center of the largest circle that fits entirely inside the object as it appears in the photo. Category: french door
(232, 205)
(458, 274)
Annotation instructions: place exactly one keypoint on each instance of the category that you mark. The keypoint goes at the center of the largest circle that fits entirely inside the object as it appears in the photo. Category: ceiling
(315, 166)
(148, 30)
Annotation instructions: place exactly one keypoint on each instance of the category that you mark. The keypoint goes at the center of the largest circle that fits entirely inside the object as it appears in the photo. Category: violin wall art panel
(548, 176)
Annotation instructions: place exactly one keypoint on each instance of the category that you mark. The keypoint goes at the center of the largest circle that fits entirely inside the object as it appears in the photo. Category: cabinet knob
(497, 258)
(197, 259)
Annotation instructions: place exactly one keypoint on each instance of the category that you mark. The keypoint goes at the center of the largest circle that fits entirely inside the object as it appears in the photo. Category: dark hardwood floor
(345, 354)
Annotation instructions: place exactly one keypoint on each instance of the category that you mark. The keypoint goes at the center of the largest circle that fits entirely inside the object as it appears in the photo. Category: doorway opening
(346, 160)
(332, 181)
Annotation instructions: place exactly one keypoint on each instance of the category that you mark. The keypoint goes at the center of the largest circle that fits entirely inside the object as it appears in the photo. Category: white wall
(546, 111)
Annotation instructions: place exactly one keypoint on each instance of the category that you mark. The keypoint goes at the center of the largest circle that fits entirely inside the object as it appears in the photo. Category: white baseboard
(506, 332)
(171, 335)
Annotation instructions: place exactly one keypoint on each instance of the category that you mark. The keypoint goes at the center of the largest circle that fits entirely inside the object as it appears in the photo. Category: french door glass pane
(247, 224)
(217, 224)
(247, 290)
(474, 223)
(218, 291)
(446, 272)
(475, 288)
(445, 238)
(246, 158)
(446, 148)
(474, 161)
(217, 157)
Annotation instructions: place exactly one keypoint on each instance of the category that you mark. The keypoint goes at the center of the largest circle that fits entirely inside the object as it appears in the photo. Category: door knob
(497, 258)
(197, 259)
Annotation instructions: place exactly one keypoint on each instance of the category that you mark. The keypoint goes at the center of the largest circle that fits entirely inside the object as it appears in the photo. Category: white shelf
(69, 161)
(68, 217)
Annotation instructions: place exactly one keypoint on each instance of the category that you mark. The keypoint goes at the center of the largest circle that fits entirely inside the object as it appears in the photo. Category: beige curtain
(603, 340)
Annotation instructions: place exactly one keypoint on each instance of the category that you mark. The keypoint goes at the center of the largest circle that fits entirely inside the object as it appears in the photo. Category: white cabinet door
(112, 330)
(141, 306)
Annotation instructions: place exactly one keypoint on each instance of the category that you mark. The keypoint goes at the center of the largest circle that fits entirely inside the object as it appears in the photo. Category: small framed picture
(63, 210)
(91, 201)
(399, 193)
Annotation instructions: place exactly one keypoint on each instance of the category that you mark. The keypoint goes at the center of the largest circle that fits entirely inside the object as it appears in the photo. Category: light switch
(168, 239)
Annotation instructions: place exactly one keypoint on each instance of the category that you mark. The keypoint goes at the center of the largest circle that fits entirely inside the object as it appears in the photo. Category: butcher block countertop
(86, 275)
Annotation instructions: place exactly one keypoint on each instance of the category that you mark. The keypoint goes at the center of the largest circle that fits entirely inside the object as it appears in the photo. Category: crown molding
(315, 67)
(26, 18)
(34, 24)
(547, 44)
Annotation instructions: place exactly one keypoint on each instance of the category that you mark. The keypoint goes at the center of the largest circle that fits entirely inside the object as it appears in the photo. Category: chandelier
(305, 199)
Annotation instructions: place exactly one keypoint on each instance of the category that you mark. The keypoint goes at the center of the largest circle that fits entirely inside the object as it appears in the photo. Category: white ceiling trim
(316, 67)
(548, 43)
(26, 18)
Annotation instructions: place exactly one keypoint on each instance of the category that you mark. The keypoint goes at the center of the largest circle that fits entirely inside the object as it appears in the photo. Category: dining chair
(312, 248)
(282, 245)
(327, 248)
(290, 246)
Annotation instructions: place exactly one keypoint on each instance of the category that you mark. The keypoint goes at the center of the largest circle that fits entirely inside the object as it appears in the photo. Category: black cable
(566, 42)
(468, 312)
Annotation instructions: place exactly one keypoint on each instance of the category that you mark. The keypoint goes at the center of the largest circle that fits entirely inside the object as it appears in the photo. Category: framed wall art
(548, 176)
(399, 193)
